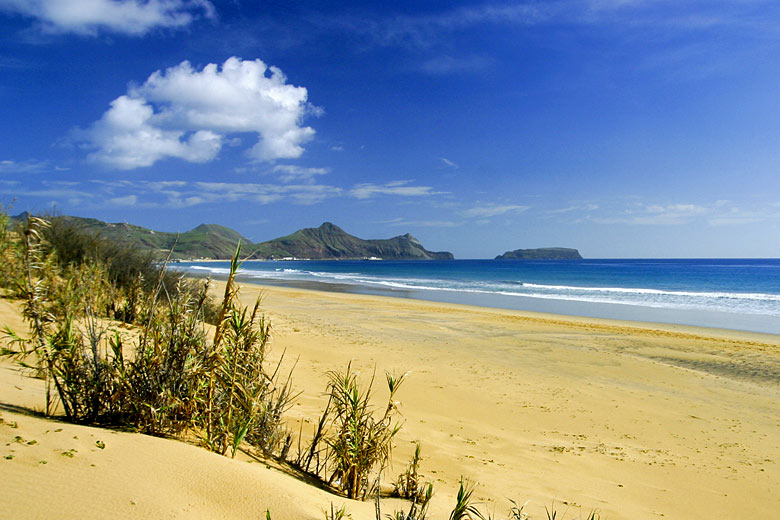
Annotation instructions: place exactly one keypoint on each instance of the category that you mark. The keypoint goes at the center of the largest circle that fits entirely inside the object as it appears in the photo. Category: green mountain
(331, 242)
(219, 242)
(543, 253)
(205, 241)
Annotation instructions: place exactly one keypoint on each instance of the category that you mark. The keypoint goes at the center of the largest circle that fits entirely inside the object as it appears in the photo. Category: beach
(634, 420)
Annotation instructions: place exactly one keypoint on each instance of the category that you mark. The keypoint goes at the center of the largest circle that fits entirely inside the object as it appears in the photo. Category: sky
(623, 128)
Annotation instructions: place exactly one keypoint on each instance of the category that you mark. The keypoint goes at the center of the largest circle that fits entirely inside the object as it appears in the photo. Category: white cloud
(569, 209)
(494, 210)
(291, 173)
(182, 194)
(421, 223)
(187, 114)
(165, 185)
(657, 214)
(44, 190)
(265, 193)
(449, 163)
(31, 166)
(129, 200)
(369, 190)
(132, 17)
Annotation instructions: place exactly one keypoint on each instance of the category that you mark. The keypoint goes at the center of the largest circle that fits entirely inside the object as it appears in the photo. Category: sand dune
(635, 420)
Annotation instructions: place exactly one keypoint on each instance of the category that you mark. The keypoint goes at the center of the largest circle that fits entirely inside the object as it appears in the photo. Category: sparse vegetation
(170, 375)
(174, 379)
(358, 441)
(464, 508)
(337, 514)
(409, 484)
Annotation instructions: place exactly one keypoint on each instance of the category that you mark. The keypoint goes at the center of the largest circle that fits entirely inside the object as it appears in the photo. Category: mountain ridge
(328, 241)
(217, 242)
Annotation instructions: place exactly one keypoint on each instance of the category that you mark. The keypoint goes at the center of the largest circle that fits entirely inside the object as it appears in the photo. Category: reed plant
(162, 381)
(174, 378)
(67, 342)
(358, 441)
(464, 506)
(418, 509)
(337, 513)
(38, 352)
(243, 401)
(133, 273)
(516, 512)
(9, 266)
(409, 484)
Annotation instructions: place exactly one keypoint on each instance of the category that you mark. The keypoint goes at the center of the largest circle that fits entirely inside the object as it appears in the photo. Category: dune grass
(350, 441)
(172, 379)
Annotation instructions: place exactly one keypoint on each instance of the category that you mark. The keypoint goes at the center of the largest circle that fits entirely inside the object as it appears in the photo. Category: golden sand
(635, 420)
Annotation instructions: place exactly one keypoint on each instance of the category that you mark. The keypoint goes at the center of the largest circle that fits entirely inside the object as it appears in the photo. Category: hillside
(543, 253)
(331, 242)
(213, 241)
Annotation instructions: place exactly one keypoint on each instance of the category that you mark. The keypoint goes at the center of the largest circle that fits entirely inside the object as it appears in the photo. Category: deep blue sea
(732, 294)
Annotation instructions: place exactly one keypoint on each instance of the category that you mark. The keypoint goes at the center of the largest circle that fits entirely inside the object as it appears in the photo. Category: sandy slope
(637, 421)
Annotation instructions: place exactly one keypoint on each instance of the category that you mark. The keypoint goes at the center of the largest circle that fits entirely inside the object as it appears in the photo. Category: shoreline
(409, 295)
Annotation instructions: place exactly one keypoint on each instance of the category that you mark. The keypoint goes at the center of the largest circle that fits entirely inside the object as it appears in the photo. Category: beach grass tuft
(337, 514)
(464, 508)
(358, 440)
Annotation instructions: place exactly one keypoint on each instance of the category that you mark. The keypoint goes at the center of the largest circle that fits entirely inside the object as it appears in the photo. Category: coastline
(650, 313)
(304, 288)
(632, 419)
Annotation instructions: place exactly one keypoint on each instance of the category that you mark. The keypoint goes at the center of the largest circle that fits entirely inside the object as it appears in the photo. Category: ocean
(722, 293)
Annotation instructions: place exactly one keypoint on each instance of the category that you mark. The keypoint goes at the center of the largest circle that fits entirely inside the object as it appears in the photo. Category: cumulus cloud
(187, 114)
(369, 190)
(132, 17)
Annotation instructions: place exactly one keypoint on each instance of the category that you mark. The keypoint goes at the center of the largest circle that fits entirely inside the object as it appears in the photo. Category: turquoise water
(725, 293)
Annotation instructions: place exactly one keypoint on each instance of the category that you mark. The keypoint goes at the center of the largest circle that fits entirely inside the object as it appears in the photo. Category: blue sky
(624, 128)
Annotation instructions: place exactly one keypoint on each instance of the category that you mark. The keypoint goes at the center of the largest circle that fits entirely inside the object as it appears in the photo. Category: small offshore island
(542, 253)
